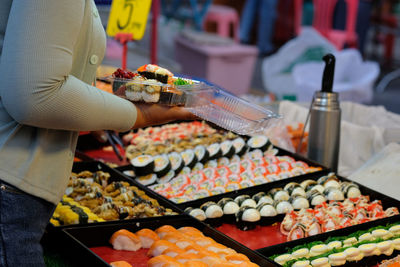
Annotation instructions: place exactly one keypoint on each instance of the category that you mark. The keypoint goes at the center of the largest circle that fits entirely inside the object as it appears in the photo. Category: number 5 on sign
(128, 16)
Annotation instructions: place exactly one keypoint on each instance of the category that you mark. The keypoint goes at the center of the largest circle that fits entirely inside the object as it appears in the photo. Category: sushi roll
(247, 218)
(299, 202)
(262, 197)
(329, 180)
(245, 200)
(283, 206)
(125, 240)
(211, 164)
(143, 165)
(310, 185)
(147, 237)
(202, 153)
(295, 189)
(134, 89)
(199, 214)
(229, 207)
(147, 179)
(228, 150)
(213, 213)
(162, 165)
(177, 162)
(315, 198)
(151, 93)
(223, 161)
(166, 178)
(189, 157)
(259, 142)
(278, 194)
(240, 146)
(267, 213)
(350, 190)
(214, 151)
(333, 193)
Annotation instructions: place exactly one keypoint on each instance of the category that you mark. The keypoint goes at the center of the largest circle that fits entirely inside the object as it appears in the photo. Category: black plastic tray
(115, 175)
(281, 152)
(371, 261)
(79, 240)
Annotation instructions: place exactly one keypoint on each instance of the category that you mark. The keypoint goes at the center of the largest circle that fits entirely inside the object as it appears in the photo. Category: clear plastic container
(228, 111)
(210, 103)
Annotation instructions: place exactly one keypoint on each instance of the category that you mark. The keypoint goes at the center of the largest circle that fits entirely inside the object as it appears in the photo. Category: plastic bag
(277, 69)
(353, 80)
(365, 130)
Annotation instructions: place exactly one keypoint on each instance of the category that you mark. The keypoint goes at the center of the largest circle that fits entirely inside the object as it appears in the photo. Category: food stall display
(97, 193)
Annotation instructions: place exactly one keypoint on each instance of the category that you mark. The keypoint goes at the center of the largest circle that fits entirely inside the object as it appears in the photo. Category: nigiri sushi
(191, 231)
(163, 260)
(195, 263)
(159, 246)
(125, 240)
(165, 229)
(120, 264)
(173, 251)
(147, 237)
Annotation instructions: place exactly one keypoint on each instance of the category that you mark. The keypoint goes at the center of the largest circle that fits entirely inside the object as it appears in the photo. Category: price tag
(128, 16)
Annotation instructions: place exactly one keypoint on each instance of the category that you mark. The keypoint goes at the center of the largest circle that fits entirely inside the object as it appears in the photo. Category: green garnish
(180, 81)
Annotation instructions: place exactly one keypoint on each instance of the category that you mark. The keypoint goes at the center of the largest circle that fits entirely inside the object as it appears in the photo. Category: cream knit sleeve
(36, 87)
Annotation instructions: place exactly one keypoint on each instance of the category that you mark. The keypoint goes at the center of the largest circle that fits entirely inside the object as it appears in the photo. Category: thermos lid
(329, 71)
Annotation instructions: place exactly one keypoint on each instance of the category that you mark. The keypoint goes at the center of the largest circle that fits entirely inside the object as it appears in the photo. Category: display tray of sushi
(97, 193)
(179, 241)
(216, 169)
(287, 210)
(366, 244)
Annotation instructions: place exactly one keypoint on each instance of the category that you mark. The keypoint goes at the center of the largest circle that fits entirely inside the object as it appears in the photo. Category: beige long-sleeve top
(50, 52)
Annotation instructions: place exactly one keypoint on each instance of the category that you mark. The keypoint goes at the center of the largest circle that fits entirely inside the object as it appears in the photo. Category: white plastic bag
(277, 69)
(353, 79)
(364, 131)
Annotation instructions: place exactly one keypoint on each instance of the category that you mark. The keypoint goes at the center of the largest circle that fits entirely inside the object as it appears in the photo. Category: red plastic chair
(323, 21)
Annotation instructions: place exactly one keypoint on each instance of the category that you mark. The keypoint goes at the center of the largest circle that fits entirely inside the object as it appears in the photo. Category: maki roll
(202, 153)
(268, 213)
(214, 151)
(240, 146)
(147, 179)
(247, 218)
(224, 161)
(162, 165)
(333, 193)
(198, 167)
(177, 162)
(189, 157)
(262, 197)
(229, 207)
(329, 180)
(151, 92)
(199, 214)
(228, 150)
(134, 89)
(259, 142)
(283, 206)
(245, 200)
(213, 213)
(315, 198)
(294, 189)
(299, 202)
(143, 165)
(166, 178)
(278, 194)
(350, 190)
(310, 185)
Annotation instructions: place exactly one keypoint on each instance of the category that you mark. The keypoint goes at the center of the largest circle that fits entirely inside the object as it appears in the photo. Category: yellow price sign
(128, 16)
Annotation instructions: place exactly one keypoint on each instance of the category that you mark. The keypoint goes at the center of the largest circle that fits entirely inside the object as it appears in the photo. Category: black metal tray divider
(98, 235)
(284, 247)
(115, 175)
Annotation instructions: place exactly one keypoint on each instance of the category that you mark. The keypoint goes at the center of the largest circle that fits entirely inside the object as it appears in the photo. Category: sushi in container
(93, 245)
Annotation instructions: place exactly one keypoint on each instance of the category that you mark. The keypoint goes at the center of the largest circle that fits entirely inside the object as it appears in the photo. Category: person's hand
(154, 114)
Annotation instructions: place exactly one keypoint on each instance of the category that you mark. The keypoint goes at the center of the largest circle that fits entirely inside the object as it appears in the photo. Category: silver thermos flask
(324, 132)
